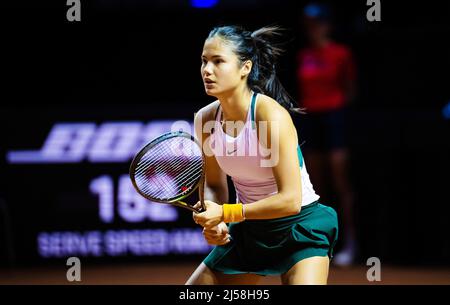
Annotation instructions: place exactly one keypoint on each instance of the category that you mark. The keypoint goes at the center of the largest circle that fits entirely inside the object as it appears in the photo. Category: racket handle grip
(202, 208)
(201, 194)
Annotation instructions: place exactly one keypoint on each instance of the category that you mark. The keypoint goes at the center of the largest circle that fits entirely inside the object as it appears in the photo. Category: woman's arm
(216, 187)
(286, 167)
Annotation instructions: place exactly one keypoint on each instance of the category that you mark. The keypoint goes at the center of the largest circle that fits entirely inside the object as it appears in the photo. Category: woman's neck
(235, 105)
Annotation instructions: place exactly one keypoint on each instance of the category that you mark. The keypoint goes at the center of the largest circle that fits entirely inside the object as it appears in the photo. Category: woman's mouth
(208, 83)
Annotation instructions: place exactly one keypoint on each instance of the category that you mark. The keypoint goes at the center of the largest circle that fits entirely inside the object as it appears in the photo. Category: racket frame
(175, 201)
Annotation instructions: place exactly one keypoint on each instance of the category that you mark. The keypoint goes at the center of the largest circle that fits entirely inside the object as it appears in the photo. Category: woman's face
(221, 69)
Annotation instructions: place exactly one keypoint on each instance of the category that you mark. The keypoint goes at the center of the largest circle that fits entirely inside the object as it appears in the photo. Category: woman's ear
(246, 68)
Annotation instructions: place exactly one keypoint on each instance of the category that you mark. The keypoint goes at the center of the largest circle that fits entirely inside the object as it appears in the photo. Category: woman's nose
(207, 69)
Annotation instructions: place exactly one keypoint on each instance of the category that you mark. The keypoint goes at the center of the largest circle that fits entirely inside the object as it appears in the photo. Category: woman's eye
(218, 61)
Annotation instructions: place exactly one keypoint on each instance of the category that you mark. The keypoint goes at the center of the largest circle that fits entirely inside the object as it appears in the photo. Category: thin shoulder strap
(217, 111)
(215, 117)
(253, 110)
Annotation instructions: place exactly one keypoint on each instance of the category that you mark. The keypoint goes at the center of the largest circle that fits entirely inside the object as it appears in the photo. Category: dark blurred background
(139, 61)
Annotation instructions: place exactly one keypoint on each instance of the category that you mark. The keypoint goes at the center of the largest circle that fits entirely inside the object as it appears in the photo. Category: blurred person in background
(326, 85)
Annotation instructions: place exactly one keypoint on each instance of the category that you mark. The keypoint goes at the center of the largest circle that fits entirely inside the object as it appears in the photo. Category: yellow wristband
(233, 212)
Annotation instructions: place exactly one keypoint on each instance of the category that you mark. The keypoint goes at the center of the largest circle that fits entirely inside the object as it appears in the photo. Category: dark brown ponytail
(258, 47)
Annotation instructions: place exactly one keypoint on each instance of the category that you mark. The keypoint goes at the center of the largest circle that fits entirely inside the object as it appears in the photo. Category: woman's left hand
(211, 217)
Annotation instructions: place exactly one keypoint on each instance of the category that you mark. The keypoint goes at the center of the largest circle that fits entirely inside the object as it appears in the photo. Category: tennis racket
(169, 169)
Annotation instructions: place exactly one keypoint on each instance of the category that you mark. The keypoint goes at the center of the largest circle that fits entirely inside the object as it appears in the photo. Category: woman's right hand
(217, 235)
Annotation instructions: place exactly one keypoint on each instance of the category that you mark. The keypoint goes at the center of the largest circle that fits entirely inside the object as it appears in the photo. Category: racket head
(169, 168)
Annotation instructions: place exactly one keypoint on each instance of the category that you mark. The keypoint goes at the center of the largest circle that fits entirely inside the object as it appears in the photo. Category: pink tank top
(241, 158)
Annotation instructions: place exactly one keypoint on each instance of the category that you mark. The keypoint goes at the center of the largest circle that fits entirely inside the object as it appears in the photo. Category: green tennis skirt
(272, 247)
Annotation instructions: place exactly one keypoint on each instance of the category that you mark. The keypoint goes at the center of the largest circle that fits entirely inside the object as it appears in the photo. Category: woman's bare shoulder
(207, 112)
(269, 109)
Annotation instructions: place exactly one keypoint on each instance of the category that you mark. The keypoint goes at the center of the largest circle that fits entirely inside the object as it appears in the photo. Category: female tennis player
(277, 226)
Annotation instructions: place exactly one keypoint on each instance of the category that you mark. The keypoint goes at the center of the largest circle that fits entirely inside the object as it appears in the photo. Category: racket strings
(167, 152)
(169, 188)
(161, 169)
(155, 176)
(156, 168)
(176, 191)
(185, 180)
(151, 157)
(178, 166)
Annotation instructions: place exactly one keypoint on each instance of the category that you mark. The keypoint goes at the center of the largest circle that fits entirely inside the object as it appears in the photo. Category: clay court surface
(177, 273)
